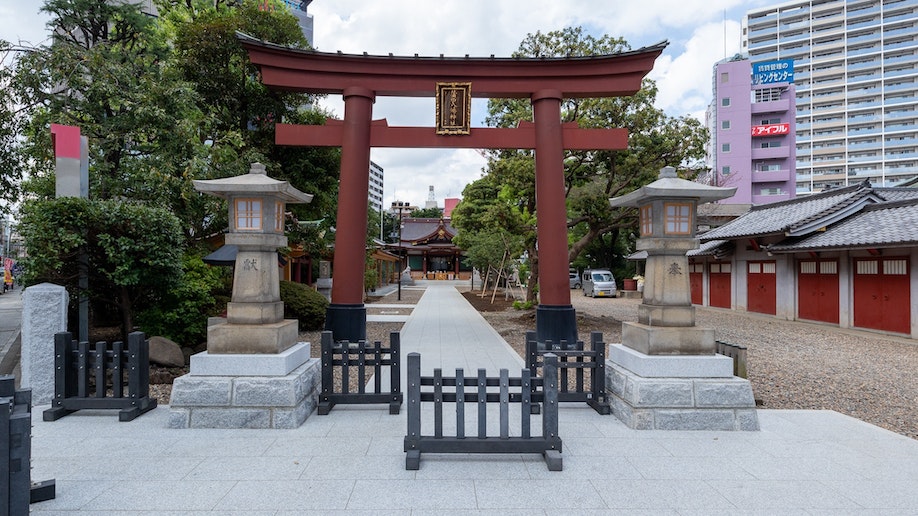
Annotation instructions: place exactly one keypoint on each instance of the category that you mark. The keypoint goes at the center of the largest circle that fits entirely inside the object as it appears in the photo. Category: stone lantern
(666, 318)
(255, 315)
(665, 374)
(254, 373)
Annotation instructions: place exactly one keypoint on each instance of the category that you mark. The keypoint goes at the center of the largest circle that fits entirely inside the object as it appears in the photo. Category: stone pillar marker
(665, 373)
(44, 313)
(254, 373)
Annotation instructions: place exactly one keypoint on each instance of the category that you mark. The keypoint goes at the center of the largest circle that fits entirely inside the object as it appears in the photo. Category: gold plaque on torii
(454, 107)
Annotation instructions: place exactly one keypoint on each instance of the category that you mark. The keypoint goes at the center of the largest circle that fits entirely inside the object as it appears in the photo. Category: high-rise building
(376, 187)
(856, 75)
(751, 121)
(298, 8)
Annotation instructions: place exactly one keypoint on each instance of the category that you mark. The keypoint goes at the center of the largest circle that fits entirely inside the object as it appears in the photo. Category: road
(10, 321)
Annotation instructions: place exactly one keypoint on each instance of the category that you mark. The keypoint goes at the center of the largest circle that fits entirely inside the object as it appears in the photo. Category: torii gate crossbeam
(360, 79)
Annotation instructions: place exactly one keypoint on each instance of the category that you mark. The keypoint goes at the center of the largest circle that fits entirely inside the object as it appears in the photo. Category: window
(678, 218)
(279, 216)
(725, 170)
(725, 102)
(725, 124)
(768, 95)
(248, 214)
(646, 220)
(725, 147)
(724, 77)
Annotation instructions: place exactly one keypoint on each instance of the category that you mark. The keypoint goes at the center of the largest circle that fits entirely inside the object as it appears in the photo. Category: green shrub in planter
(303, 304)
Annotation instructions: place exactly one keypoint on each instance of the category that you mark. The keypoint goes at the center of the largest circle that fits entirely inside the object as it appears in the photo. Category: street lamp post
(398, 205)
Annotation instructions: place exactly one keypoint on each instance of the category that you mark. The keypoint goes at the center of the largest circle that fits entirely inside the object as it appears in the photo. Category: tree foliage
(590, 177)
(133, 251)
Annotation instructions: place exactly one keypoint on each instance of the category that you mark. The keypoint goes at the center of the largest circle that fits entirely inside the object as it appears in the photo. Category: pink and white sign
(770, 130)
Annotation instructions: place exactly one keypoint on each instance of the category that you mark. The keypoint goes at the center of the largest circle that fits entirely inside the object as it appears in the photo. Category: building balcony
(775, 106)
(771, 153)
(771, 176)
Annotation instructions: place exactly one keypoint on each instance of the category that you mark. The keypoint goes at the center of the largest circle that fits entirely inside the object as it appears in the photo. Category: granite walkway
(352, 461)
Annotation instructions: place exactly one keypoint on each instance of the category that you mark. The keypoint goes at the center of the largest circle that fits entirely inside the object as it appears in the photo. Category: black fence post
(412, 440)
(395, 378)
(600, 402)
(16, 488)
(550, 417)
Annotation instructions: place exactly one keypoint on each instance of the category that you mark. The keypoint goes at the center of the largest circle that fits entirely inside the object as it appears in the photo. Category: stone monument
(665, 374)
(254, 373)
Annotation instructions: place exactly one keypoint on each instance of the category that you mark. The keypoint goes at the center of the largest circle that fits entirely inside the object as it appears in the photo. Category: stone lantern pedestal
(254, 373)
(665, 374)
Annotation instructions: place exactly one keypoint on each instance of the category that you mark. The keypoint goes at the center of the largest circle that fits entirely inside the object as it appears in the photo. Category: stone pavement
(352, 461)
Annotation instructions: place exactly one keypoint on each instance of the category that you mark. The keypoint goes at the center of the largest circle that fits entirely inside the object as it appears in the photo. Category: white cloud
(694, 29)
(685, 80)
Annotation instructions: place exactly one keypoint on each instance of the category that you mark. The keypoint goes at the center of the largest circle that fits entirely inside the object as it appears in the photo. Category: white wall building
(856, 74)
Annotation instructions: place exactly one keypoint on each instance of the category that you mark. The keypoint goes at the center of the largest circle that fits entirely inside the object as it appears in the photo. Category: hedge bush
(303, 304)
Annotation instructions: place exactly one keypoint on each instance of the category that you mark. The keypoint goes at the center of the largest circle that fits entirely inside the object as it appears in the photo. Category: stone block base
(668, 340)
(680, 403)
(262, 364)
(246, 401)
(229, 338)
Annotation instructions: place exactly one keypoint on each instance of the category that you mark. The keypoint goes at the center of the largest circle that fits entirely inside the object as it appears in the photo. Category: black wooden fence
(103, 376)
(737, 353)
(359, 359)
(587, 383)
(439, 389)
(16, 488)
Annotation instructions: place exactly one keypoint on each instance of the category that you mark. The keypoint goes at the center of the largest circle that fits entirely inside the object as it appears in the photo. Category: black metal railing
(360, 360)
(440, 390)
(16, 488)
(101, 376)
(583, 372)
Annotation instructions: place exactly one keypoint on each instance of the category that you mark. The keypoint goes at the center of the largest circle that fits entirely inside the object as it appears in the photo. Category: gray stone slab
(665, 366)
(693, 419)
(665, 494)
(146, 495)
(723, 392)
(414, 495)
(201, 391)
(539, 494)
(44, 313)
(279, 364)
(226, 417)
(785, 494)
(305, 495)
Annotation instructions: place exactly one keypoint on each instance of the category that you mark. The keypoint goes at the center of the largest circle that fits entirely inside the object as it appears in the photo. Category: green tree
(427, 213)
(134, 251)
(11, 122)
(592, 177)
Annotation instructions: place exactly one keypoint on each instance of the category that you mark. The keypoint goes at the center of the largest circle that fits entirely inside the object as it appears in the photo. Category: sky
(700, 33)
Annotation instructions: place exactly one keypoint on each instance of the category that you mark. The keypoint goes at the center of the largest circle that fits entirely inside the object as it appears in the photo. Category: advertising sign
(768, 72)
(770, 130)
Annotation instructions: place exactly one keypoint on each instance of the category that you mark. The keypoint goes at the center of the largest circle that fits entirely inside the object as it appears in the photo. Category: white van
(598, 282)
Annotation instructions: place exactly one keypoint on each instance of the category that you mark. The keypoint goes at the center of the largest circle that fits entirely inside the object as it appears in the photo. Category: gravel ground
(791, 365)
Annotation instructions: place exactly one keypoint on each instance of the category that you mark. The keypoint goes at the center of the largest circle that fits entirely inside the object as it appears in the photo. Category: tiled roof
(417, 229)
(897, 194)
(716, 248)
(889, 224)
(786, 216)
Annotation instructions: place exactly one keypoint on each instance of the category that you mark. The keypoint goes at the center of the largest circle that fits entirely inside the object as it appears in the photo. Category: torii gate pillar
(556, 319)
(346, 316)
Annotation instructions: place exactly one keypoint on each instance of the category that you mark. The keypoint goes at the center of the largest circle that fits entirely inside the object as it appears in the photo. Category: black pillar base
(346, 322)
(556, 323)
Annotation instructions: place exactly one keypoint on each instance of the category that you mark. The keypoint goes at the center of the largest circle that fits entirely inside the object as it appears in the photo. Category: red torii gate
(360, 78)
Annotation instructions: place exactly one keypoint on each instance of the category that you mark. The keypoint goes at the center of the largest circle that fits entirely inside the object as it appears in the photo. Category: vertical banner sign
(454, 107)
(770, 72)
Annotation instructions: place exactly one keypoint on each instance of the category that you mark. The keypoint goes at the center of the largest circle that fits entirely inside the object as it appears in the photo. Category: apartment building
(856, 77)
(751, 121)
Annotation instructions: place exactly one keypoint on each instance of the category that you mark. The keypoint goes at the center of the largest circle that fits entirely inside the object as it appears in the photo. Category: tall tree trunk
(533, 275)
(127, 317)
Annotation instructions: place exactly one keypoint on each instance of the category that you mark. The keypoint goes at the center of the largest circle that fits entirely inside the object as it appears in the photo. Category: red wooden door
(696, 282)
(719, 284)
(760, 287)
(817, 290)
(882, 294)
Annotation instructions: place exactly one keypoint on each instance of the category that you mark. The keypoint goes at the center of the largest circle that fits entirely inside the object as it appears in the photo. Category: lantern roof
(669, 186)
(256, 182)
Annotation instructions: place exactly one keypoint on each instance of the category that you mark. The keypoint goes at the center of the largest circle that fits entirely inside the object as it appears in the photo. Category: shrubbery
(304, 304)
